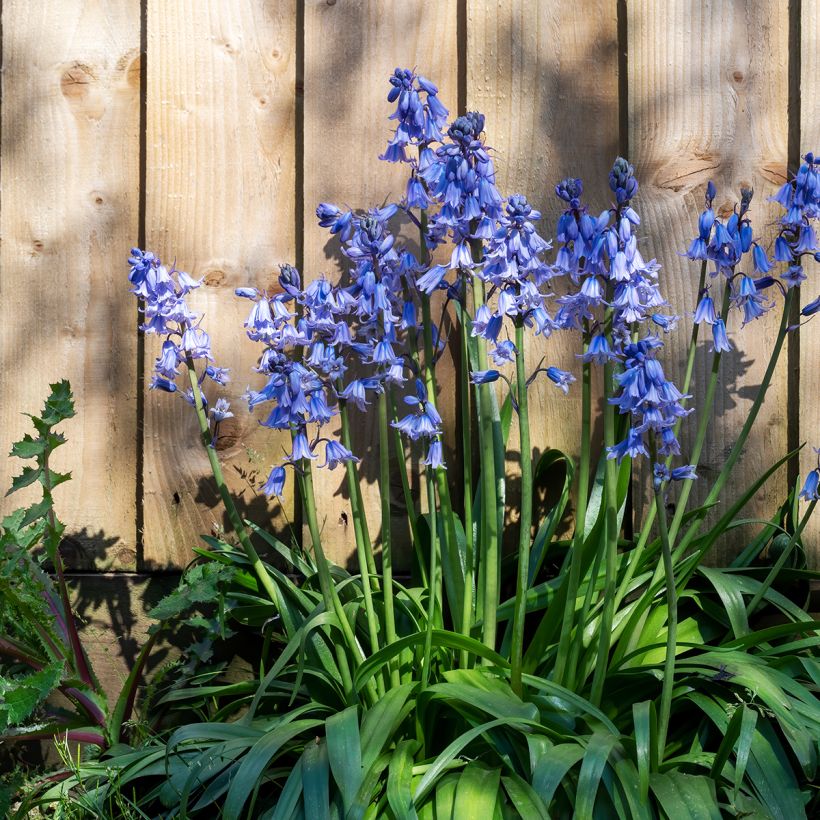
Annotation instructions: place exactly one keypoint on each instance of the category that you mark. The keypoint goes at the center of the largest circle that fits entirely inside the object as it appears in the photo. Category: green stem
(387, 545)
(330, 594)
(364, 546)
(781, 561)
(450, 551)
(562, 674)
(672, 624)
(703, 427)
(611, 528)
(636, 555)
(737, 449)
(520, 606)
(434, 594)
(490, 555)
(467, 615)
(216, 468)
(409, 502)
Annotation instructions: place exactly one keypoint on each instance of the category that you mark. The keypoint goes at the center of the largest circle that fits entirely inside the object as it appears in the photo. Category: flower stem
(467, 614)
(409, 502)
(637, 553)
(490, 555)
(611, 529)
(364, 551)
(672, 623)
(387, 545)
(737, 449)
(781, 561)
(216, 468)
(703, 426)
(432, 586)
(520, 607)
(330, 594)
(367, 563)
(562, 674)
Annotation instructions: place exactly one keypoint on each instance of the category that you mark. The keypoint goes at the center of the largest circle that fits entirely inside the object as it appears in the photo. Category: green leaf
(344, 748)
(315, 781)
(290, 795)
(380, 721)
(643, 717)
(526, 800)
(28, 447)
(20, 696)
(28, 476)
(477, 792)
(400, 781)
(731, 597)
(258, 759)
(596, 754)
(686, 796)
(552, 767)
(441, 762)
(446, 797)
(441, 638)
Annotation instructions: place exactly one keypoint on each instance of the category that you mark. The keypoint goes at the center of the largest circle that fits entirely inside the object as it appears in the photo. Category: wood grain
(545, 76)
(220, 194)
(808, 404)
(351, 48)
(708, 88)
(70, 178)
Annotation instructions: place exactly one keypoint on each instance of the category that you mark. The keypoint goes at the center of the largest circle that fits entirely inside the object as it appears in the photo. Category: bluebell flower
(275, 484)
(810, 487)
(721, 341)
(561, 378)
(301, 449)
(748, 297)
(221, 410)
(652, 401)
(705, 311)
(811, 308)
(336, 453)
(599, 350)
(485, 376)
(503, 352)
(420, 119)
(435, 456)
(425, 422)
(158, 383)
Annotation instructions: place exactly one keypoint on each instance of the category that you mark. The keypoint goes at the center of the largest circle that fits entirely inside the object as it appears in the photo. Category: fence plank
(351, 48)
(220, 199)
(808, 405)
(707, 100)
(545, 75)
(69, 152)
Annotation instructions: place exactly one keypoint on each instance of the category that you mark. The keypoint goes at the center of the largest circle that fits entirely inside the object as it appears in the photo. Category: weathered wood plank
(70, 178)
(351, 48)
(545, 75)
(220, 199)
(708, 88)
(808, 405)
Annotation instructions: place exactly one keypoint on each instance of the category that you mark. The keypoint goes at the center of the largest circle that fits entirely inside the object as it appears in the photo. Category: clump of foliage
(598, 675)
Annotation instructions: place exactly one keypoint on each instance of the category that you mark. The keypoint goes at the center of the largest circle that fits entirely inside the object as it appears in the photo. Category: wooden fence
(208, 130)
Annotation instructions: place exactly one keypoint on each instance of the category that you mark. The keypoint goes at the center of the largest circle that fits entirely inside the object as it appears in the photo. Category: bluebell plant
(372, 342)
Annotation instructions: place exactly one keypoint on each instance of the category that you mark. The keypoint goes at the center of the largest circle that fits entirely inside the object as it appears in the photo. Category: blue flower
(486, 376)
(561, 378)
(336, 453)
(721, 341)
(420, 121)
(275, 484)
(810, 488)
(221, 410)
